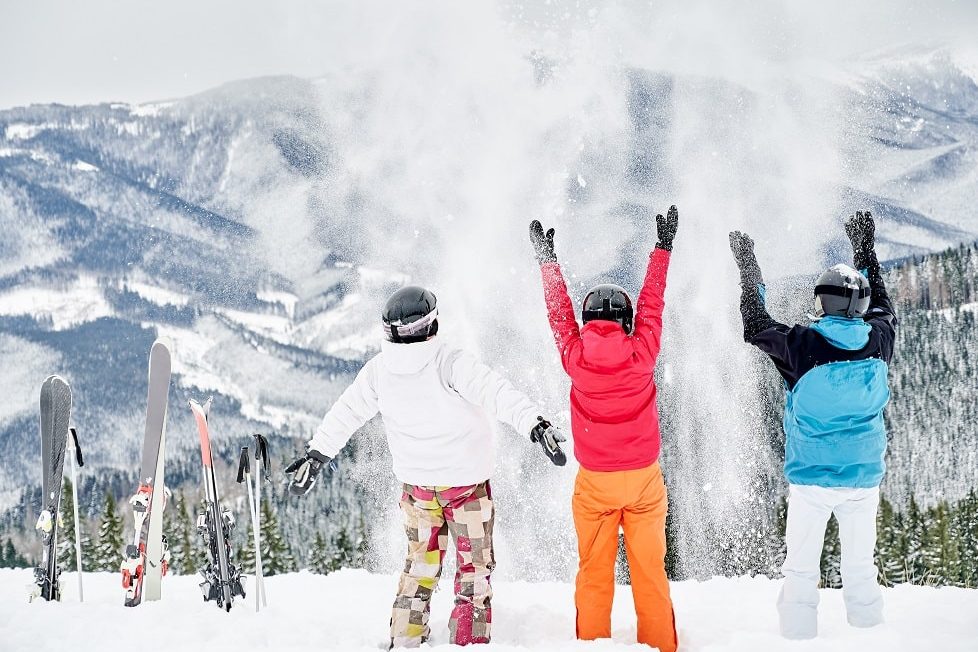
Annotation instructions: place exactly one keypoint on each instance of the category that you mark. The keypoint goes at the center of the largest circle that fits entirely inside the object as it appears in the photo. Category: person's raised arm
(861, 230)
(651, 299)
(560, 309)
(760, 329)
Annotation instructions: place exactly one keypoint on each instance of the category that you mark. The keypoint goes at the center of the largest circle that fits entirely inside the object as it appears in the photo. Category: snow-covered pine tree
(11, 557)
(186, 551)
(66, 536)
(276, 554)
(832, 556)
(891, 545)
(320, 558)
(966, 526)
(108, 551)
(916, 529)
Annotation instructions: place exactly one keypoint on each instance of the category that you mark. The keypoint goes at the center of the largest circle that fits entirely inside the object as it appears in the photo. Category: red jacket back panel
(614, 417)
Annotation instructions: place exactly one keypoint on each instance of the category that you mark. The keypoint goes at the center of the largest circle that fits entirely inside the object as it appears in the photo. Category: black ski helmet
(411, 315)
(841, 292)
(608, 302)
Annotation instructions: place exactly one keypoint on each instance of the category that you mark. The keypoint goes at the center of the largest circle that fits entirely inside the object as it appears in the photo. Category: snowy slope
(348, 611)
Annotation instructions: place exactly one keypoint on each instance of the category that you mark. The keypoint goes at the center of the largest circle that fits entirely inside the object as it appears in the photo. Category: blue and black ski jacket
(835, 374)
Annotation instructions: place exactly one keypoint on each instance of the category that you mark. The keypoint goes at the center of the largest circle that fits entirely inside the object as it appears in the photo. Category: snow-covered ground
(348, 611)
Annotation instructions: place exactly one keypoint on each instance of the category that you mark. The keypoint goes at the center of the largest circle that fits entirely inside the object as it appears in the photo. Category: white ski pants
(809, 509)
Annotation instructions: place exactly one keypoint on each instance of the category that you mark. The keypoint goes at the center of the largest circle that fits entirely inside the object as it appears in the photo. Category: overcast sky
(78, 52)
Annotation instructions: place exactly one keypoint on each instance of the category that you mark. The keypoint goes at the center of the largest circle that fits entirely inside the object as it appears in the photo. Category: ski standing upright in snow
(147, 557)
(222, 580)
(55, 415)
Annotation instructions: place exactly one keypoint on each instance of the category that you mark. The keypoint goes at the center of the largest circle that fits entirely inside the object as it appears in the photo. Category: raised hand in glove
(861, 230)
(549, 436)
(543, 243)
(666, 228)
(305, 470)
(743, 250)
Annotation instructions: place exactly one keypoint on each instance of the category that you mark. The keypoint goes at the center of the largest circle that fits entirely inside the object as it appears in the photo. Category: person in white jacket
(436, 402)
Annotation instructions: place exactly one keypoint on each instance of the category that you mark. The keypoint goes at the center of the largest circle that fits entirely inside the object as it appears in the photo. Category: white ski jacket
(436, 401)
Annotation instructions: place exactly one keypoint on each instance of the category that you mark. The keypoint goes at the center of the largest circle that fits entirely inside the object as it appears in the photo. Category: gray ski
(55, 415)
(146, 557)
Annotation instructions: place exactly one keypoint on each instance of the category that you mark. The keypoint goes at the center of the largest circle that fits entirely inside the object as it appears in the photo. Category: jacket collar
(605, 343)
(409, 358)
(842, 332)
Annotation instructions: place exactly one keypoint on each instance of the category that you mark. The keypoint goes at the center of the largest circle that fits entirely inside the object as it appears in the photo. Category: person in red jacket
(615, 426)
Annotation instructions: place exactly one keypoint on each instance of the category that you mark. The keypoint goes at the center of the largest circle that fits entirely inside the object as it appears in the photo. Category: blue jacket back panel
(835, 373)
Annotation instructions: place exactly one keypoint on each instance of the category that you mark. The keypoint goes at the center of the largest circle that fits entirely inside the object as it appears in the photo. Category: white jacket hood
(409, 358)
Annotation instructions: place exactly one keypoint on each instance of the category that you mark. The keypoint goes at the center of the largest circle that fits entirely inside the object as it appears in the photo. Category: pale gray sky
(78, 52)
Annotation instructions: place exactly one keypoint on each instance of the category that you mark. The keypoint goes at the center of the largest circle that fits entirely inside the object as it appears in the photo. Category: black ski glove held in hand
(861, 230)
(549, 436)
(543, 243)
(743, 250)
(666, 228)
(305, 470)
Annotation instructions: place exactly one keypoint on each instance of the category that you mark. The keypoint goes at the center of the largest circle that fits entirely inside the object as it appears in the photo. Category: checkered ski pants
(430, 514)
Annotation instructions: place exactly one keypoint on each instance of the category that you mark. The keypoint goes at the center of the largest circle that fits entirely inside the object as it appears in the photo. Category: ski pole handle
(78, 453)
(244, 465)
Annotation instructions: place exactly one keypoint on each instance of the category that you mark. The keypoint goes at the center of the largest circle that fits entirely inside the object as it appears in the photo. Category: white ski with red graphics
(222, 580)
(55, 416)
(147, 557)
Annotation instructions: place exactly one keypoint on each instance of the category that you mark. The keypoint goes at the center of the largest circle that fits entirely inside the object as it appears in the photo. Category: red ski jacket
(614, 417)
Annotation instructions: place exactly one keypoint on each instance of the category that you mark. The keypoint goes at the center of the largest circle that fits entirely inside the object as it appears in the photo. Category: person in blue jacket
(835, 374)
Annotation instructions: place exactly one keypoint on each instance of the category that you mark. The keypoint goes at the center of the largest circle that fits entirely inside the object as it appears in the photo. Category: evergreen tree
(319, 560)
(67, 559)
(276, 554)
(966, 517)
(832, 556)
(916, 532)
(187, 553)
(108, 551)
(12, 558)
(891, 545)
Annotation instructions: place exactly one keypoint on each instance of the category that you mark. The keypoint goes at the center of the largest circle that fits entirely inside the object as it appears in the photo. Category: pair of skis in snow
(147, 557)
(57, 436)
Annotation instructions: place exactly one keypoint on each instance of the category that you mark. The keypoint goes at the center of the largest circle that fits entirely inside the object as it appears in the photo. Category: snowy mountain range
(246, 225)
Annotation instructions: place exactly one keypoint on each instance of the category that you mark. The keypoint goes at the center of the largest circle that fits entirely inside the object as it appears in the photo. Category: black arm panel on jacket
(754, 312)
(881, 314)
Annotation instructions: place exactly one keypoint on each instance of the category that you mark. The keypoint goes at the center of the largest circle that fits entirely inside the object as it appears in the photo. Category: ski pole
(76, 449)
(244, 475)
(262, 471)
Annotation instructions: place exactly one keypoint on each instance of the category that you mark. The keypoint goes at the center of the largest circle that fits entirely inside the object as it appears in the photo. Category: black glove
(861, 230)
(305, 470)
(666, 228)
(543, 243)
(743, 250)
(549, 436)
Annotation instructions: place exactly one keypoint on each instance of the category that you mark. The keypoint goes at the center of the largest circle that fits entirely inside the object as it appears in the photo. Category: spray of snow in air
(447, 129)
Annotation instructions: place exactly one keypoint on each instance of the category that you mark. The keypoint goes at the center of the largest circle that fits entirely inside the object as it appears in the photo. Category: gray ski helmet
(841, 292)
(608, 302)
(411, 315)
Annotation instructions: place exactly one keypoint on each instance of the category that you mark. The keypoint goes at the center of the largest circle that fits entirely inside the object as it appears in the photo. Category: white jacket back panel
(435, 401)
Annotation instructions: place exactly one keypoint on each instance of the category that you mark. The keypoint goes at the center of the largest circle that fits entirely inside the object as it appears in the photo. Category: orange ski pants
(636, 502)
